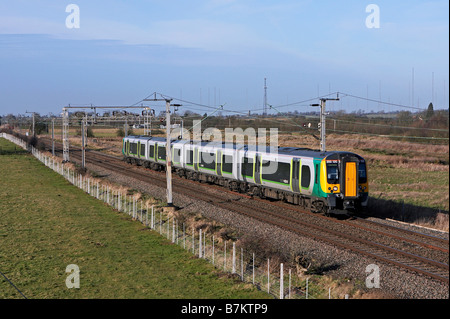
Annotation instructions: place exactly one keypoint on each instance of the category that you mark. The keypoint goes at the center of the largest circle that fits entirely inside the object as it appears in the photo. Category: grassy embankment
(46, 224)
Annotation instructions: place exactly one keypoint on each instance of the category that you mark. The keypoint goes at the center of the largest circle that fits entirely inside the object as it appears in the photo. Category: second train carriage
(327, 182)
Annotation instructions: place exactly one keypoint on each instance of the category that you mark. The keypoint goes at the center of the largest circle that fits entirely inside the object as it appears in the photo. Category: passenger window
(276, 172)
(306, 176)
(207, 160)
(176, 155)
(247, 167)
(162, 153)
(227, 164)
(152, 151)
(189, 157)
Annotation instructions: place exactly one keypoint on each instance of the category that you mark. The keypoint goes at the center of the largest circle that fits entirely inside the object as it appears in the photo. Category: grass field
(46, 224)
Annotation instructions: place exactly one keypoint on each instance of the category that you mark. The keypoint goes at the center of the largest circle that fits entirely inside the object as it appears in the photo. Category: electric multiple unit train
(322, 182)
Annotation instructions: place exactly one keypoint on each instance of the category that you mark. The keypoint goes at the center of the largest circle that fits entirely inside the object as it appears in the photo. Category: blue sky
(219, 51)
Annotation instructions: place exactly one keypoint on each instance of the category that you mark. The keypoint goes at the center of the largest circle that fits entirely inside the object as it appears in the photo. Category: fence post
(268, 275)
(307, 284)
(193, 240)
(146, 214)
(168, 227)
(152, 224)
(242, 264)
(233, 269)
(225, 257)
(213, 249)
(253, 268)
(281, 282)
(200, 249)
(289, 284)
(173, 230)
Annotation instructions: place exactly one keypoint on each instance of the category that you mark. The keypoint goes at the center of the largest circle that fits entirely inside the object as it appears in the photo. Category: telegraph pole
(83, 144)
(65, 134)
(32, 127)
(168, 155)
(265, 98)
(168, 149)
(53, 136)
(322, 123)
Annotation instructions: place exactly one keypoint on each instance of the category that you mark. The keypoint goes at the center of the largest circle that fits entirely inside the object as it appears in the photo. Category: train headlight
(335, 188)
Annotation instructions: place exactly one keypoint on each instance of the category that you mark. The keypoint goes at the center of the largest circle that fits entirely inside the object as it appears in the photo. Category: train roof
(147, 138)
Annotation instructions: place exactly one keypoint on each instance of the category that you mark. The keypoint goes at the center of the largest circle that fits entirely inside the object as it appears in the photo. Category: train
(331, 182)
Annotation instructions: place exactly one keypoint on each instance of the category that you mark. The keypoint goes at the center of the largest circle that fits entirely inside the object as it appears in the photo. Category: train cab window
(151, 152)
(143, 150)
(332, 173)
(207, 160)
(306, 176)
(362, 174)
(176, 155)
(189, 157)
(227, 164)
(162, 153)
(247, 167)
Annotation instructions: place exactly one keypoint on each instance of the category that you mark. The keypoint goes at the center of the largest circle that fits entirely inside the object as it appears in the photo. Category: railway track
(242, 204)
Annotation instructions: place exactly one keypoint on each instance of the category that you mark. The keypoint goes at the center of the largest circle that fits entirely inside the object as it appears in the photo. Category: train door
(196, 157)
(139, 149)
(307, 175)
(258, 169)
(349, 180)
(219, 162)
(295, 175)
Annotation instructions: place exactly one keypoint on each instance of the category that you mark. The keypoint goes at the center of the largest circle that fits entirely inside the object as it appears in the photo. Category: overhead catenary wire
(272, 107)
(300, 103)
(386, 125)
(391, 136)
(381, 102)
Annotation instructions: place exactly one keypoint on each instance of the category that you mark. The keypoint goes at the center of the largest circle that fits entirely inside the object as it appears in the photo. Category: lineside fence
(266, 274)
